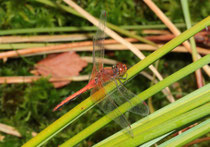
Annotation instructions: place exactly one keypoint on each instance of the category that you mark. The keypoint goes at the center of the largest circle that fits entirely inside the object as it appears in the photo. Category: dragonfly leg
(124, 77)
(116, 82)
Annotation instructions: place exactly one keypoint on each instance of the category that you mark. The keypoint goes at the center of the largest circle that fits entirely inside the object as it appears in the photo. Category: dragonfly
(101, 76)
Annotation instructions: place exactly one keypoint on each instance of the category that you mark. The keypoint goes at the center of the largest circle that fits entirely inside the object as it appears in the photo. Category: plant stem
(185, 8)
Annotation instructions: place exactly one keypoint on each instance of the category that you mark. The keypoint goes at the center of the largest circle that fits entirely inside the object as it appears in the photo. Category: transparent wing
(109, 104)
(126, 95)
(118, 97)
(98, 46)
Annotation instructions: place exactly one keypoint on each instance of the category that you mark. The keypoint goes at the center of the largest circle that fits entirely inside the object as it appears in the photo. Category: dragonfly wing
(98, 44)
(98, 41)
(125, 95)
(107, 105)
(98, 48)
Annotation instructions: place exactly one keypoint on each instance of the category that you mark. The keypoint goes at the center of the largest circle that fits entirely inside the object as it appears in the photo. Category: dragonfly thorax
(119, 69)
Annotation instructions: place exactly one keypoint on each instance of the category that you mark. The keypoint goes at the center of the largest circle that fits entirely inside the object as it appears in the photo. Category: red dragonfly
(101, 75)
(105, 75)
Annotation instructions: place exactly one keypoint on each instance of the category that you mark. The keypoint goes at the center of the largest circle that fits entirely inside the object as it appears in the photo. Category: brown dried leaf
(62, 65)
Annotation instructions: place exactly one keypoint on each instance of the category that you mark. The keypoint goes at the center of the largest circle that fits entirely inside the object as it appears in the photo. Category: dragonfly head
(120, 69)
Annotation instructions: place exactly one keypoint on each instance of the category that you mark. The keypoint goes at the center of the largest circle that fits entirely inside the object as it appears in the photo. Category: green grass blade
(129, 34)
(47, 30)
(150, 143)
(62, 122)
(169, 125)
(79, 28)
(157, 118)
(186, 12)
(58, 5)
(189, 135)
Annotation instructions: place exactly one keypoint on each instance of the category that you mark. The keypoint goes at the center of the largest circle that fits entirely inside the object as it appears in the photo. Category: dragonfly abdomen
(89, 86)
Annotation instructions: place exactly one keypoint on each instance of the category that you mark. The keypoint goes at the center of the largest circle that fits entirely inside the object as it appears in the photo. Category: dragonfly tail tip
(54, 109)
